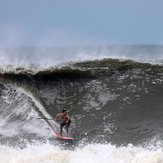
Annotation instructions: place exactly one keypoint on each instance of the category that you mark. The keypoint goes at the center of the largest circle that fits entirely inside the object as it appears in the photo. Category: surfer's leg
(67, 126)
(61, 127)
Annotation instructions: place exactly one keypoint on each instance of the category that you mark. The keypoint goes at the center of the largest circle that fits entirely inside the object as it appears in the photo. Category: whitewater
(112, 93)
(90, 153)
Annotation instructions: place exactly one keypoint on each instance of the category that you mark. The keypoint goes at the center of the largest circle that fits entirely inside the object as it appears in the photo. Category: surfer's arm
(56, 118)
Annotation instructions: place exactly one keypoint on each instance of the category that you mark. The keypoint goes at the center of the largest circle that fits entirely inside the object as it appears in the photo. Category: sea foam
(91, 153)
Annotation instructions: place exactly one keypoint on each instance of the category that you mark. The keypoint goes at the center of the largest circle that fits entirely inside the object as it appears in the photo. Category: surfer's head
(63, 111)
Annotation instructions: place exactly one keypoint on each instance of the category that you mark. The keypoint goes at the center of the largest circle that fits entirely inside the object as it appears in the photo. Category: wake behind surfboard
(58, 135)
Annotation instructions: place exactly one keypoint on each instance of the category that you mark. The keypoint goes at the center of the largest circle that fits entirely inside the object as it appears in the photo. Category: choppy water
(115, 104)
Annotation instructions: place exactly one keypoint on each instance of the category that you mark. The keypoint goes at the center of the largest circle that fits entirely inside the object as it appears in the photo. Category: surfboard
(58, 135)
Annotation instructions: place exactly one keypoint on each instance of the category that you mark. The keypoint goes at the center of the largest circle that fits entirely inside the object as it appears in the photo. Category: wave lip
(78, 68)
(42, 58)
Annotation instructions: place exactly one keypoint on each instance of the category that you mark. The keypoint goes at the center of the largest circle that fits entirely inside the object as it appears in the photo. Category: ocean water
(113, 95)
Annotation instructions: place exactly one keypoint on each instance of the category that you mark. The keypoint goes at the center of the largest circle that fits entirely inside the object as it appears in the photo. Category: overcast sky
(80, 22)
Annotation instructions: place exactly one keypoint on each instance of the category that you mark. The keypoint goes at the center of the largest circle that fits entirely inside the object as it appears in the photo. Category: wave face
(115, 106)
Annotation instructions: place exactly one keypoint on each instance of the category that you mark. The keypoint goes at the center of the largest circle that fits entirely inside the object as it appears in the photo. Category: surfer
(66, 121)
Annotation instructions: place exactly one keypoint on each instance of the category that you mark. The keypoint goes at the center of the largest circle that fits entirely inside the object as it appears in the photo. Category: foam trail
(39, 105)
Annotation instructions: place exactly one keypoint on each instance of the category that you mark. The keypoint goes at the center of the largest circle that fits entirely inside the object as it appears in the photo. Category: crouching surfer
(66, 121)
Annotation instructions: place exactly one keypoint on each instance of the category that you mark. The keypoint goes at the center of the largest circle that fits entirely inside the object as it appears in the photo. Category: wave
(113, 103)
(115, 88)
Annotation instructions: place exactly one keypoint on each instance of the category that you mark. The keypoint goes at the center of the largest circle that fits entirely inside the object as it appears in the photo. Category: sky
(80, 22)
